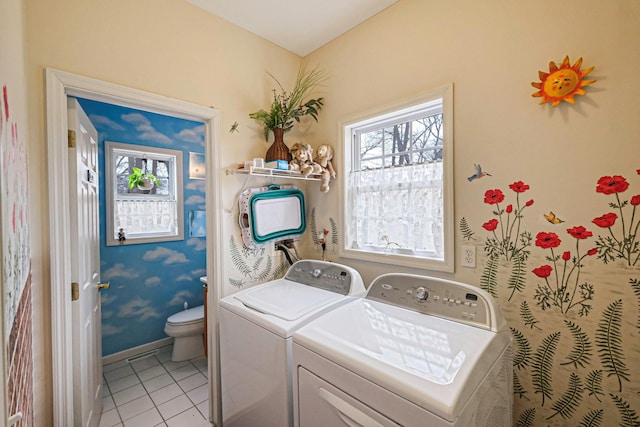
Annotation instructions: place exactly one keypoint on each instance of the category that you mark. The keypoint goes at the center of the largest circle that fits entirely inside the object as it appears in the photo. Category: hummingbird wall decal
(479, 173)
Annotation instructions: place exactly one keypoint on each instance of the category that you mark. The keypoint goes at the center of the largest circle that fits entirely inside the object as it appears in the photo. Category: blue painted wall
(149, 282)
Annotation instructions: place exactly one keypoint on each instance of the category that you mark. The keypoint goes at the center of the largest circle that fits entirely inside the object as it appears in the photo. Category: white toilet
(187, 328)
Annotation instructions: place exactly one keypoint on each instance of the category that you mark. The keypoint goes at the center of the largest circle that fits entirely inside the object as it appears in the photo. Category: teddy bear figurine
(301, 155)
(323, 157)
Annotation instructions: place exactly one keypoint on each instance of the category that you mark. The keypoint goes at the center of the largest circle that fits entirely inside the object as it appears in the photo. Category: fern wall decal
(523, 349)
(629, 417)
(280, 271)
(517, 280)
(236, 283)
(592, 419)
(635, 285)
(543, 364)
(527, 316)
(582, 349)
(313, 228)
(466, 231)
(518, 389)
(489, 277)
(264, 275)
(594, 384)
(256, 264)
(569, 401)
(571, 356)
(334, 232)
(609, 342)
(527, 418)
(237, 258)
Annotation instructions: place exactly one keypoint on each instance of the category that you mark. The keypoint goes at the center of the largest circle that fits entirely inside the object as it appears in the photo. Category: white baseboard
(130, 352)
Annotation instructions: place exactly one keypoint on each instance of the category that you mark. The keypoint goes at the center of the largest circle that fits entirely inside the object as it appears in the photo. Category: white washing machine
(256, 326)
(416, 351)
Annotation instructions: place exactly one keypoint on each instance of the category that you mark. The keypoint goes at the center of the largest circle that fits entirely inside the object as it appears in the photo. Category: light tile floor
(154, 391)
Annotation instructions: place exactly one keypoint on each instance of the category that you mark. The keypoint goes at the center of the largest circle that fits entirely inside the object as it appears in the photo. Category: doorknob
(104, 285)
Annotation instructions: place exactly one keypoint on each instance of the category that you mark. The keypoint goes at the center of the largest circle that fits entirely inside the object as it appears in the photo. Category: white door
(85, 267)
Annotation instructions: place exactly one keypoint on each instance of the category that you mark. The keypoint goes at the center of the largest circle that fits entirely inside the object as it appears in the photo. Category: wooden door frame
(59, 85)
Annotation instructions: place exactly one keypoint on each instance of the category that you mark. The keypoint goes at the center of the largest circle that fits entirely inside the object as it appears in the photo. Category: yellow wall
(490, 50)
(168, 47)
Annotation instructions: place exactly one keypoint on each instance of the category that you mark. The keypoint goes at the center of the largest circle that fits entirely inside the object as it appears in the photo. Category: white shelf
(269, 172)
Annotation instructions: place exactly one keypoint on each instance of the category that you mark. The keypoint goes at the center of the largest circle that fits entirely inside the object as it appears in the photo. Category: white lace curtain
(398, 210)
(145, 216)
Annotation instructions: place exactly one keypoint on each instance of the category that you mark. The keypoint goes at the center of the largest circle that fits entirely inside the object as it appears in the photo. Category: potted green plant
(287, 108)
(142, 180)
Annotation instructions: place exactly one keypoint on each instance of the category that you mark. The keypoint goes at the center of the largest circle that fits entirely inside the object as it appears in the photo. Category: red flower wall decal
(565, 291)
(612, 185)
(547, 240)
(624, 241)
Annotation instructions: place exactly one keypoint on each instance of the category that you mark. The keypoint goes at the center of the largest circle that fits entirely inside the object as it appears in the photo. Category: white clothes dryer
(416, 351)
(256, 326)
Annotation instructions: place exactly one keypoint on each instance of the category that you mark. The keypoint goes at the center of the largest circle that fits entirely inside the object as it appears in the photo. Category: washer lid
(433, 362)
(285, 299)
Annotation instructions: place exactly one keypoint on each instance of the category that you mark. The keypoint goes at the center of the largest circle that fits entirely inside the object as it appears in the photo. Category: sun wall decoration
(561, 83)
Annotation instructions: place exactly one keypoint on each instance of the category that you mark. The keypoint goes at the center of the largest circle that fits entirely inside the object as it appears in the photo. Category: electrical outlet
(469, 256)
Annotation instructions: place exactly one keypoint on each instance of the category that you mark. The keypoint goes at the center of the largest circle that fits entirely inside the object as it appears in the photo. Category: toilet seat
(187, 317)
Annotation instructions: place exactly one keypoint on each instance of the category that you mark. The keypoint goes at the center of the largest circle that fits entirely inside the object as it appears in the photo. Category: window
(398, 194)
(143, 213)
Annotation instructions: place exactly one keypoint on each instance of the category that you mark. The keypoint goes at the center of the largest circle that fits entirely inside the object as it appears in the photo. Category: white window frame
(176, 192)
(376, 118)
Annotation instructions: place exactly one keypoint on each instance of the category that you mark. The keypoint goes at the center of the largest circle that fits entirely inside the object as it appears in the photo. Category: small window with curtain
(399, 189)
(144, 194)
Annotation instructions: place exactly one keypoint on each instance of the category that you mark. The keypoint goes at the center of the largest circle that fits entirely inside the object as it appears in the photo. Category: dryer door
(321, 404)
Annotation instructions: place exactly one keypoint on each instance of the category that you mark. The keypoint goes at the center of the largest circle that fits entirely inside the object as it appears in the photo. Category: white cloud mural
(170, 256)
(146, 278)
(197, 185)
(111, 330)
(152, 281)
(194, 200)
(195, 134)
(199, 272)
(197, 243)
(104, 123)
(107, 298)
(138, 308)
(180, 297)
(147, 131)
(119, 270)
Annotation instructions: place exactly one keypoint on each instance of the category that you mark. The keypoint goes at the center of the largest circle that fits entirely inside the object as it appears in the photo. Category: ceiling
(300, 26)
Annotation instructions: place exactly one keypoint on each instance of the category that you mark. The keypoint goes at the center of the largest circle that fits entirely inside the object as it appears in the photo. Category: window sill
(399, 260)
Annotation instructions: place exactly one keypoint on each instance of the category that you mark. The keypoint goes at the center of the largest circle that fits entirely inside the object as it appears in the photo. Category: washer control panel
(455, 301)
(326, 275)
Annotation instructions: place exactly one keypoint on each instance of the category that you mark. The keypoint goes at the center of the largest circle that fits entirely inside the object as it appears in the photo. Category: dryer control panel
(451, 300)
(328, 276)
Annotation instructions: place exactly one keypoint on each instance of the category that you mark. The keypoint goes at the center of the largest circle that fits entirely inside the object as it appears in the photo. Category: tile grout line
(168, 372)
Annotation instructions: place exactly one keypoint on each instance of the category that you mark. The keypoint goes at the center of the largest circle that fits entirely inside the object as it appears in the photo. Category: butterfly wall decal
(552, 218)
